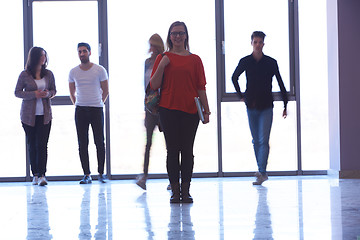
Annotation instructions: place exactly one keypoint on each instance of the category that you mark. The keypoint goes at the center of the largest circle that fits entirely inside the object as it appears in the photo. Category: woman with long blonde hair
(151, 119)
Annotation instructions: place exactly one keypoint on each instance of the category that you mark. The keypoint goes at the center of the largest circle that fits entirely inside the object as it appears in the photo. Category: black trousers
(179, 130)
(84, 117)
(37, 138)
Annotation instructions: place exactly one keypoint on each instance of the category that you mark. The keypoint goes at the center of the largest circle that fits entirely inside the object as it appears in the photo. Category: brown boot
(175, 198)
(185, 193)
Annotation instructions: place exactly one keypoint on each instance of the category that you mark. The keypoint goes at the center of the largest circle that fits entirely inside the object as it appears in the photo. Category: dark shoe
(185, 193)
(175, 198)
(102, 178)
(141, 181)
(86, 180)
(260, 178)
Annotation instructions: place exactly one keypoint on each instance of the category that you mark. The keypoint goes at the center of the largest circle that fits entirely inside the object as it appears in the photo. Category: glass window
(128, 49)
(12, 137)
(63, 156)
(59, 35)
(238, 153)
(240, 22)
(314, 85)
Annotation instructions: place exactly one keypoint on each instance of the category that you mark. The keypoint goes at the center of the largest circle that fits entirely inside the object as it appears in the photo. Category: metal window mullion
(28, 43)
(220, 74)
(295, 72)
(104, 61)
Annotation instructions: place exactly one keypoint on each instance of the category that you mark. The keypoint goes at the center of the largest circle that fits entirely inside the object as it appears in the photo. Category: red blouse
(183, 77)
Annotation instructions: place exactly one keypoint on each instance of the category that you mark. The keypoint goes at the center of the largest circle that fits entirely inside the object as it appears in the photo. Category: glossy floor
(319, 207)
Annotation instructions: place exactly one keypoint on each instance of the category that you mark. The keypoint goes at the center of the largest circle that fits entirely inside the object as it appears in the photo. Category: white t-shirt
(87, 84)
(39, 104)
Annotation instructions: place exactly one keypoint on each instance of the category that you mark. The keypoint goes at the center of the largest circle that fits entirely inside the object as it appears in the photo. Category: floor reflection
(147, 218)
(180, 225)
(301, 207)
(103, 216)
(103, 227)
(37, 214)
(85, 226)
(349, 227)
(263, 228)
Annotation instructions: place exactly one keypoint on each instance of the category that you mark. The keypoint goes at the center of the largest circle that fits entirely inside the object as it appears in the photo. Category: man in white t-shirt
(89, 89)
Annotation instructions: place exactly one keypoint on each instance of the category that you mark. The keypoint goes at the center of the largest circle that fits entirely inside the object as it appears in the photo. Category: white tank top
(39, 104)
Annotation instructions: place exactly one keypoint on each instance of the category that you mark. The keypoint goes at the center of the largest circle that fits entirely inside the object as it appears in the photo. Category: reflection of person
(151, 120)
(180, 225)
(184, 79)
(142, 200)
(85, 224)
(263, 229)
(101, 228)
(90, 83)
(259, 70)
(38, 226)
(36, 86)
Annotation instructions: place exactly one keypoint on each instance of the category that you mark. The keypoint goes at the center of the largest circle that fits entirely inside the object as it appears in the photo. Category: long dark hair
(33, 61)
(168, 41)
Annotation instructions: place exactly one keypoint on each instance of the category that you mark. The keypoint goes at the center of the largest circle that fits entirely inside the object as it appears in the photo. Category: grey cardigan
(25, 89)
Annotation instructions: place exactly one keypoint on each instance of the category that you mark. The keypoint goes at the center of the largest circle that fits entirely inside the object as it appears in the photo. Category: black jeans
(37, 138)
(151, 121)
(94, 116)
(179, 130)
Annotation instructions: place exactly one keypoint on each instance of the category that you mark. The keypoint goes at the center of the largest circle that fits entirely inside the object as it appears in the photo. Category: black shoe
(185, 193)
(86, 180)
(186, 198)
(175, 197)
(102, 178)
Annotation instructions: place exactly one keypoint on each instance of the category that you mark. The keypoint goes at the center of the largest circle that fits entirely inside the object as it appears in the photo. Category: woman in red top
(180, 74)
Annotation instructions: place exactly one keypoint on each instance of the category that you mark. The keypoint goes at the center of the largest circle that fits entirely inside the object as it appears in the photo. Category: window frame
(222, 95)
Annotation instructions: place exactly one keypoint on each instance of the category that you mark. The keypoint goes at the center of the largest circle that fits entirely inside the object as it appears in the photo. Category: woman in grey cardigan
(36, 86)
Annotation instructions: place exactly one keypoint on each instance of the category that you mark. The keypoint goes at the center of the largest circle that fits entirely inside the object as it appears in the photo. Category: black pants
(37, 138)
(84, 117)
(151, 121)
(179, 130)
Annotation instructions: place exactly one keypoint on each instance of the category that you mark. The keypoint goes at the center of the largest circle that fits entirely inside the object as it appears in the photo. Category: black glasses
(174, 34)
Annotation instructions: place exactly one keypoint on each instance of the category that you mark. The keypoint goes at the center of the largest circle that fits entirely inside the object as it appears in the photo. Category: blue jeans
(84, 117)
(260, 122)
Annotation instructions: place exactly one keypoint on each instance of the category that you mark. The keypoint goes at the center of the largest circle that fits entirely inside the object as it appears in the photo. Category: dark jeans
(151, 121)
(37, 138)
(94, 116)
(179, 130)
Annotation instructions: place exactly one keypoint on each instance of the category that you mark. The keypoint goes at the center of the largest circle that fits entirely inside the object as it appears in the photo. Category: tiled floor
(319, 207)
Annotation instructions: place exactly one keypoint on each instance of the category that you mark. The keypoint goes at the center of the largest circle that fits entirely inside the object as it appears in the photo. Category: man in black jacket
(258, 98)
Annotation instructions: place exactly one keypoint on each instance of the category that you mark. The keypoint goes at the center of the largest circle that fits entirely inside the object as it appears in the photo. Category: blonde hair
(157, 42)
